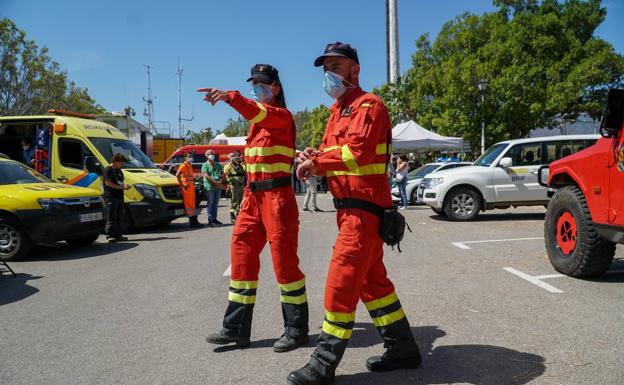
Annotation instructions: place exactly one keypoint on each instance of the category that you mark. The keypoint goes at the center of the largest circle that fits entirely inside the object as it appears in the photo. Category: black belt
(269, 184)
(353, 203)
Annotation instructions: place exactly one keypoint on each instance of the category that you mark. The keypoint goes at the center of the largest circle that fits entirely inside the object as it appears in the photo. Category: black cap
(337, 49)
(264, 73)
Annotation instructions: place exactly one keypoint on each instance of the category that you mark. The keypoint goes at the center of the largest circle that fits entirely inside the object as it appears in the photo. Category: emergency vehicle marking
(47, 187)
(83, 180)
(620, 158)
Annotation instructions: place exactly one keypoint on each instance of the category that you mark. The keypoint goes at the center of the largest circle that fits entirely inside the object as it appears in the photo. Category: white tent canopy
(411, 136)
(229, 140)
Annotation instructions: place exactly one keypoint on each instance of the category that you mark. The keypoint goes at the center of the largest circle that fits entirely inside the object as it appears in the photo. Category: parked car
(414, 178)
(504, 176)
(35, 209)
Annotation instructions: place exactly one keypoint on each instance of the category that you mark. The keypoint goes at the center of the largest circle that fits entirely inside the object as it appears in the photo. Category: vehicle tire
(462, 204)
(14, 242)
(574, 246)
(414, 196)
(439, 212)
(84, 241)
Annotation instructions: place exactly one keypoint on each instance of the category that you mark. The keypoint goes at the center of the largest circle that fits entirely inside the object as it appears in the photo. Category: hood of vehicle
(24, 196)
(460, 171)
(151, 176)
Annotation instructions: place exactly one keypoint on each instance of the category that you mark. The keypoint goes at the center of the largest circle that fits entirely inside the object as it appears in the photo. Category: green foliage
(31, 82)
(236, 127)
(311, 131)
(542, 63)
(202, 136)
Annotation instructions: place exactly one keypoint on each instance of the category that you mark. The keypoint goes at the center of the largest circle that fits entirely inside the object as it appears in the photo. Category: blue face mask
(332, 82)
(262, 93)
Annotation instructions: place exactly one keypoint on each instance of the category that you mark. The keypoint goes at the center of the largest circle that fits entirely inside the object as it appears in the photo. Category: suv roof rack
(71, 113)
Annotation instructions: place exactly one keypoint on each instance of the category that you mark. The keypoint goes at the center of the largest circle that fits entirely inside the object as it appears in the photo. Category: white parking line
(533, 279)
(463, 246)
(228, 271)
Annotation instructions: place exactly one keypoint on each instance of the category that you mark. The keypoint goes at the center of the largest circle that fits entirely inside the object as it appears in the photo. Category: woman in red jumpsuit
(268, 213)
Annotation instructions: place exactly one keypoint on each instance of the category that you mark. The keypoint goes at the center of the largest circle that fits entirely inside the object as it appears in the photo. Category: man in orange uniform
(354, 156)
(268, 213)
(187, 186)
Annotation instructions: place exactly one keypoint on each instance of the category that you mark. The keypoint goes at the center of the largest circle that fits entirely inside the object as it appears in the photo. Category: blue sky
(104, 44)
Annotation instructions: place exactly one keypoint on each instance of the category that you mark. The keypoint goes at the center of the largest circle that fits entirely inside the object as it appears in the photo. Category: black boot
(194, 223)
(221, 338)
(288, 343)
(390, 361)
(232, 217)
(308, 376)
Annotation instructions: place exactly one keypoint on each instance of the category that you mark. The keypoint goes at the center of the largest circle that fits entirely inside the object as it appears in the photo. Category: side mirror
(614, 114)
(542, 175)
(92, 165)
(506, 162)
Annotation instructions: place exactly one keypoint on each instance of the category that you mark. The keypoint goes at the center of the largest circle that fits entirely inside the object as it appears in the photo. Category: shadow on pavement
(13, 289)
(498, 217)
(615, 274)
(449, 364)
(64, 252)
(152, 239)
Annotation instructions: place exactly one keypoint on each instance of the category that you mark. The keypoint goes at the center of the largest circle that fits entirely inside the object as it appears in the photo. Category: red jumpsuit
(353, 157)
(188, 188)
(266, 215)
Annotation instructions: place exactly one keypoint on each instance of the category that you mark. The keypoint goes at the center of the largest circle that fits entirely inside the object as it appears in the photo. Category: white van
(504, 176)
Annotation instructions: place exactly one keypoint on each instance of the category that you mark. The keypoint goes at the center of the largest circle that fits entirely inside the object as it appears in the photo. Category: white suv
(505, 175)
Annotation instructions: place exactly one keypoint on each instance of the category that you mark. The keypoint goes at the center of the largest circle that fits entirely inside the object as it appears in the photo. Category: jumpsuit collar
(352, 94)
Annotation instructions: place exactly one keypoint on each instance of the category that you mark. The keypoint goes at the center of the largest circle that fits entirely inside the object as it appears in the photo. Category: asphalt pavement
(485, 306)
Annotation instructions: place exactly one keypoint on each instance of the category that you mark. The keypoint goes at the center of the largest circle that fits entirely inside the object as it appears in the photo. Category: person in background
(311, 184)
(296, 182)
(235, 174)
(28, 152)
(401, 179)
(213, 184)
(187, 184)
(114, 187)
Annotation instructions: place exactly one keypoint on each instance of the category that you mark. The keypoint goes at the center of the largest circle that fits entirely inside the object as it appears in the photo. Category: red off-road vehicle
(585, 216)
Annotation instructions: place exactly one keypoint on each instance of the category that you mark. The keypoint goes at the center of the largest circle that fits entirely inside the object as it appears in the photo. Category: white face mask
(211, 157)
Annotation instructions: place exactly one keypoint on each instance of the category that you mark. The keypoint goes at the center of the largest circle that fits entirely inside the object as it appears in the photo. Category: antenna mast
(149, 102)
(179, 72)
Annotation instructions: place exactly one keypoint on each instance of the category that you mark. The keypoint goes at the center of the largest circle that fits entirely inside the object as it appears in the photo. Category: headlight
(431, 182)
(147, 191)
(51, 204)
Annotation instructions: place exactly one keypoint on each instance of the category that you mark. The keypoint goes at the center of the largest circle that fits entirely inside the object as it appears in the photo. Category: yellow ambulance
(73, 148)
(34, 209)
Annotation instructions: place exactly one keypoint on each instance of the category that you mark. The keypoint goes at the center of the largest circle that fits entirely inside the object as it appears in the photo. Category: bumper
(432, 197)
(44, 227)
(152, 212)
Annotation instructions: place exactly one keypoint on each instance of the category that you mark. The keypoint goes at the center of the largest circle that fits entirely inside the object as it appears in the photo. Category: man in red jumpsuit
(187, 186)
(353, 157)
(268, 213)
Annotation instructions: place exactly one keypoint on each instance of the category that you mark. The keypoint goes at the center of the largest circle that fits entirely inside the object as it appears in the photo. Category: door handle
(62, 179)
(534, 172)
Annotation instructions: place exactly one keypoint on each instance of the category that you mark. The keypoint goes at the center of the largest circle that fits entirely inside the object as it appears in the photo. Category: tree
(203, 136)
(236, 127)
(311, 132)
(31, 82)
(541, 60)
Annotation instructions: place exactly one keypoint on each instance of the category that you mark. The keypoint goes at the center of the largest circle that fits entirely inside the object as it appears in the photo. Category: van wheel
(84, 241)
(574, 246)
(462, 204)
(14, 242)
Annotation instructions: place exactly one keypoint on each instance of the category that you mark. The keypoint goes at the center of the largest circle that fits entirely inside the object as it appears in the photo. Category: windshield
(420, 172)
(110, 147)
(490, 155)
(15, 173)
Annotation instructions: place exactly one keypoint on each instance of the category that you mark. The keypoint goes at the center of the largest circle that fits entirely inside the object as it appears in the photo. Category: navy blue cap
(264, 73)
(337, 49)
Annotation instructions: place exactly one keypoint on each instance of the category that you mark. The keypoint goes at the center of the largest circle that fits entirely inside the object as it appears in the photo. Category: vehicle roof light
(59, 127)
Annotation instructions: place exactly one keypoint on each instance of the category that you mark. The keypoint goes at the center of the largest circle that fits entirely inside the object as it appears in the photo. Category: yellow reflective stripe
(261, 115)
(370, 169)
(382, 302)
(388, 319)
(297, 300)
(339, 317)
(326, 149)
(348, 158)
(244, 299)
(268, 167)
(293, 285)
(244, 284)
(343, 334)
(381, 149)
(268, 151)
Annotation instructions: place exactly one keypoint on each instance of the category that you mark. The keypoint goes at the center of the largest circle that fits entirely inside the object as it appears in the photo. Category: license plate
(90, 217)
(179, 212)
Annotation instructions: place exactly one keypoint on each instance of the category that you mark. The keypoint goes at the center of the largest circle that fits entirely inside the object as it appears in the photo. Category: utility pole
(149, 102)
(180, 118)
(392, 40)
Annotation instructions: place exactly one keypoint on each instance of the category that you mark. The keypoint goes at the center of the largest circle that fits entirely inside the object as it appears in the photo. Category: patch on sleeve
(366, 105)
